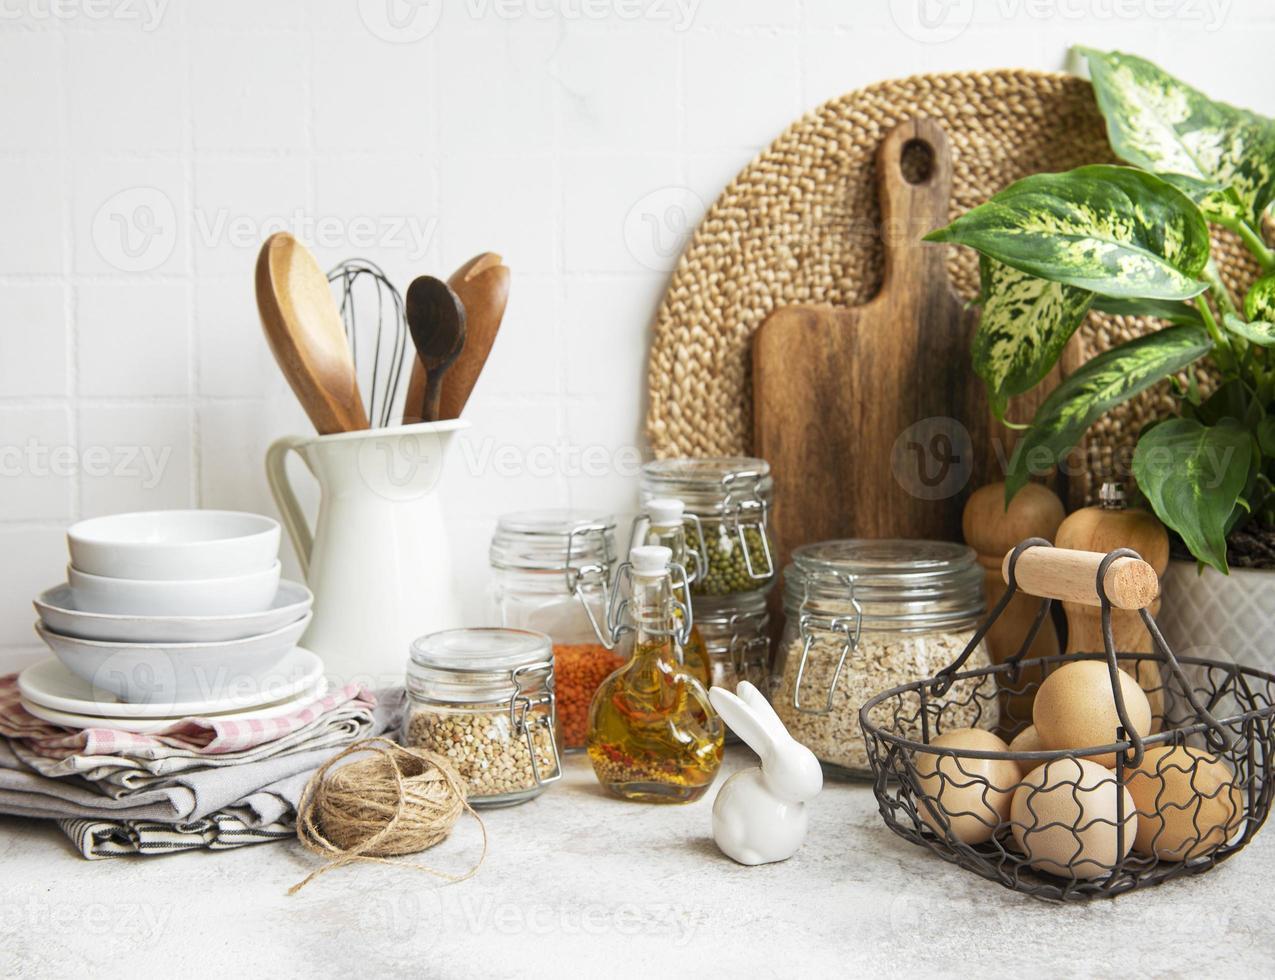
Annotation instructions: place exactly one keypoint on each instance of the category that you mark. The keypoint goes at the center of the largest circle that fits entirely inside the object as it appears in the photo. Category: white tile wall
(141, 163)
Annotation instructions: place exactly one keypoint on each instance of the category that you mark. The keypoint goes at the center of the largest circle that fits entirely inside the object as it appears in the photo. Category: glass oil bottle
(653, 735)
(665, 521)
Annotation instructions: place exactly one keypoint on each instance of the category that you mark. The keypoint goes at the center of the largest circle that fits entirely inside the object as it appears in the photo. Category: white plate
(232, 596)
(50, 684)
(58, 612)
(174, 544)
(174, 673)
(146, 726)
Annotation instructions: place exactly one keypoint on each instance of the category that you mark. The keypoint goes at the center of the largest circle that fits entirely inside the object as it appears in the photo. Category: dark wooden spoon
(436, 319)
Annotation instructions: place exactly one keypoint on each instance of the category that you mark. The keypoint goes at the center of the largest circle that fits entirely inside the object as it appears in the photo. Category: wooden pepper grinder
(1111, 525)
(992, 529)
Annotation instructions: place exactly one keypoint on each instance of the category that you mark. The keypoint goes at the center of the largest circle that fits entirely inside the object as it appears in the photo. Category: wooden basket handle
(1072, 576)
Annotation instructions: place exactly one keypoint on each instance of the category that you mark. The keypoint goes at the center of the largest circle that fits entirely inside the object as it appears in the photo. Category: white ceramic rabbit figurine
(759, 815)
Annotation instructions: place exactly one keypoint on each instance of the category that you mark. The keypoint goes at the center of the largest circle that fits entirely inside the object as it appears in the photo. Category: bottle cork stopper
(665, 512)
(650, 559)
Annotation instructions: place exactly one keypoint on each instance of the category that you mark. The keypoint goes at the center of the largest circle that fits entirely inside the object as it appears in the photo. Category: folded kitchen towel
(120, 763)
(211, 805)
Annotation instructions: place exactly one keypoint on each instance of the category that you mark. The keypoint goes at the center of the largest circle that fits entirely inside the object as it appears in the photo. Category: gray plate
(173, 674)
(56, 607)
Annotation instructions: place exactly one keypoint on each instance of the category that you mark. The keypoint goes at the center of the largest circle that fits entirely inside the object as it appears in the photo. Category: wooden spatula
(482, 284)
(871, 417)
(304, 330)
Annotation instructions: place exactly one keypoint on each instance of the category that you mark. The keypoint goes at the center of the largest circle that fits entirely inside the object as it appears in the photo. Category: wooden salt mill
(992, 529)
(1111, 525)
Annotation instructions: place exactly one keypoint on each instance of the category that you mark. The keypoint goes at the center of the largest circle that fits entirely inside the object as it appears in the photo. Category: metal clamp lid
(520, 706)
(591, 574)
(682, 615)
(737, 503)
(851, 627)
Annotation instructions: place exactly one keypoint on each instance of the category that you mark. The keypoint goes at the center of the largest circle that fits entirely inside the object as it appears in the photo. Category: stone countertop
(576, 883)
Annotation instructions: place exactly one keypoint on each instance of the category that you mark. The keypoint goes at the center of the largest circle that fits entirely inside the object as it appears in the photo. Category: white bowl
(57, 610)
(170, 545)
(233, 596)
(173, 673)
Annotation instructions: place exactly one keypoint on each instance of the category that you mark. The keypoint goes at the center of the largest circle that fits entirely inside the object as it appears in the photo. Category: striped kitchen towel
(98, 839)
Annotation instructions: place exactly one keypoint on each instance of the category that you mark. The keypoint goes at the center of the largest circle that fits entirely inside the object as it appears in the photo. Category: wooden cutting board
(871, 417)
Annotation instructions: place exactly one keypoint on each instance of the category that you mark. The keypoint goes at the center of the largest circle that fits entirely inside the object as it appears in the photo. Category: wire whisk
(364, 288)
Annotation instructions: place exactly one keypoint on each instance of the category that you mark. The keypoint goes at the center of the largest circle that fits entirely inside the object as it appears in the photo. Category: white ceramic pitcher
(378, 559)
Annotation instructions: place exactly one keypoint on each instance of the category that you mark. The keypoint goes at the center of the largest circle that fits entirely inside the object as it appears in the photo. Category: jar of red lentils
(552, 573)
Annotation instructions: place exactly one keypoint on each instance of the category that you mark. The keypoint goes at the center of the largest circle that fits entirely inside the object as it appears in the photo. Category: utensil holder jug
(378, 559)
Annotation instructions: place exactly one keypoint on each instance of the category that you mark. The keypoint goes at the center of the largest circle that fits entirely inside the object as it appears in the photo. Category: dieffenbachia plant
(1134, 240)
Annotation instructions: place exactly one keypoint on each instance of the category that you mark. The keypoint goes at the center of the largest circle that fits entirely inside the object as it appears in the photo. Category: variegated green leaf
(1162, 124)
(1108, 379)
(1259, 304)
(1112, 230)
(1193, 476)
(1171, 311)
(1259, 332)
(1025, 324)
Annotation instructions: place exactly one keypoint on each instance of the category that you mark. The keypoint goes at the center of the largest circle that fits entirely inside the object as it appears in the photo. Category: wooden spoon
(482, 284)
(436, 318)
(303, 327)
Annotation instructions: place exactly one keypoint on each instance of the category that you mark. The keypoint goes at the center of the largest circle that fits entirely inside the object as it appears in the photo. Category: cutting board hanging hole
(916, 162)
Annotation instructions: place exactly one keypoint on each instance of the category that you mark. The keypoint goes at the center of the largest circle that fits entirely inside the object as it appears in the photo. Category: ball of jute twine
(397, 801)
(800, 224)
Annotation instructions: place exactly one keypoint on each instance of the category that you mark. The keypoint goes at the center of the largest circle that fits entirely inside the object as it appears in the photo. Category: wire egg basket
(1056, 824)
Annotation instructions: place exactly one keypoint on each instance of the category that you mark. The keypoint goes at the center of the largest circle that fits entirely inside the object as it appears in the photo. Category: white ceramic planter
(1222, 617)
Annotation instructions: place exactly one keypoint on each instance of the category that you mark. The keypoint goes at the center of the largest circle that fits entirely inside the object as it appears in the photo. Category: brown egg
(1064, 819)
(1028, 740)
(1075, 708)
(971, 795)
(1188, 803)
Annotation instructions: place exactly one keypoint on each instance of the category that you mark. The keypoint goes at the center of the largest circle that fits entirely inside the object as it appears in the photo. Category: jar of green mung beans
(727, 502)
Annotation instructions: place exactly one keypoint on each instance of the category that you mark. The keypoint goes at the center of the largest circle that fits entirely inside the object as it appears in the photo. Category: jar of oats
(484, 698)
(863, 616)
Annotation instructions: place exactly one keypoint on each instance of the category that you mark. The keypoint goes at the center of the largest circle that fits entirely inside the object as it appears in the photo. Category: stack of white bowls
(170, 614)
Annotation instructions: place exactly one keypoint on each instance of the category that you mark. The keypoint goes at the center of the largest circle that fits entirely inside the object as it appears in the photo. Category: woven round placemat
(800, 224)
